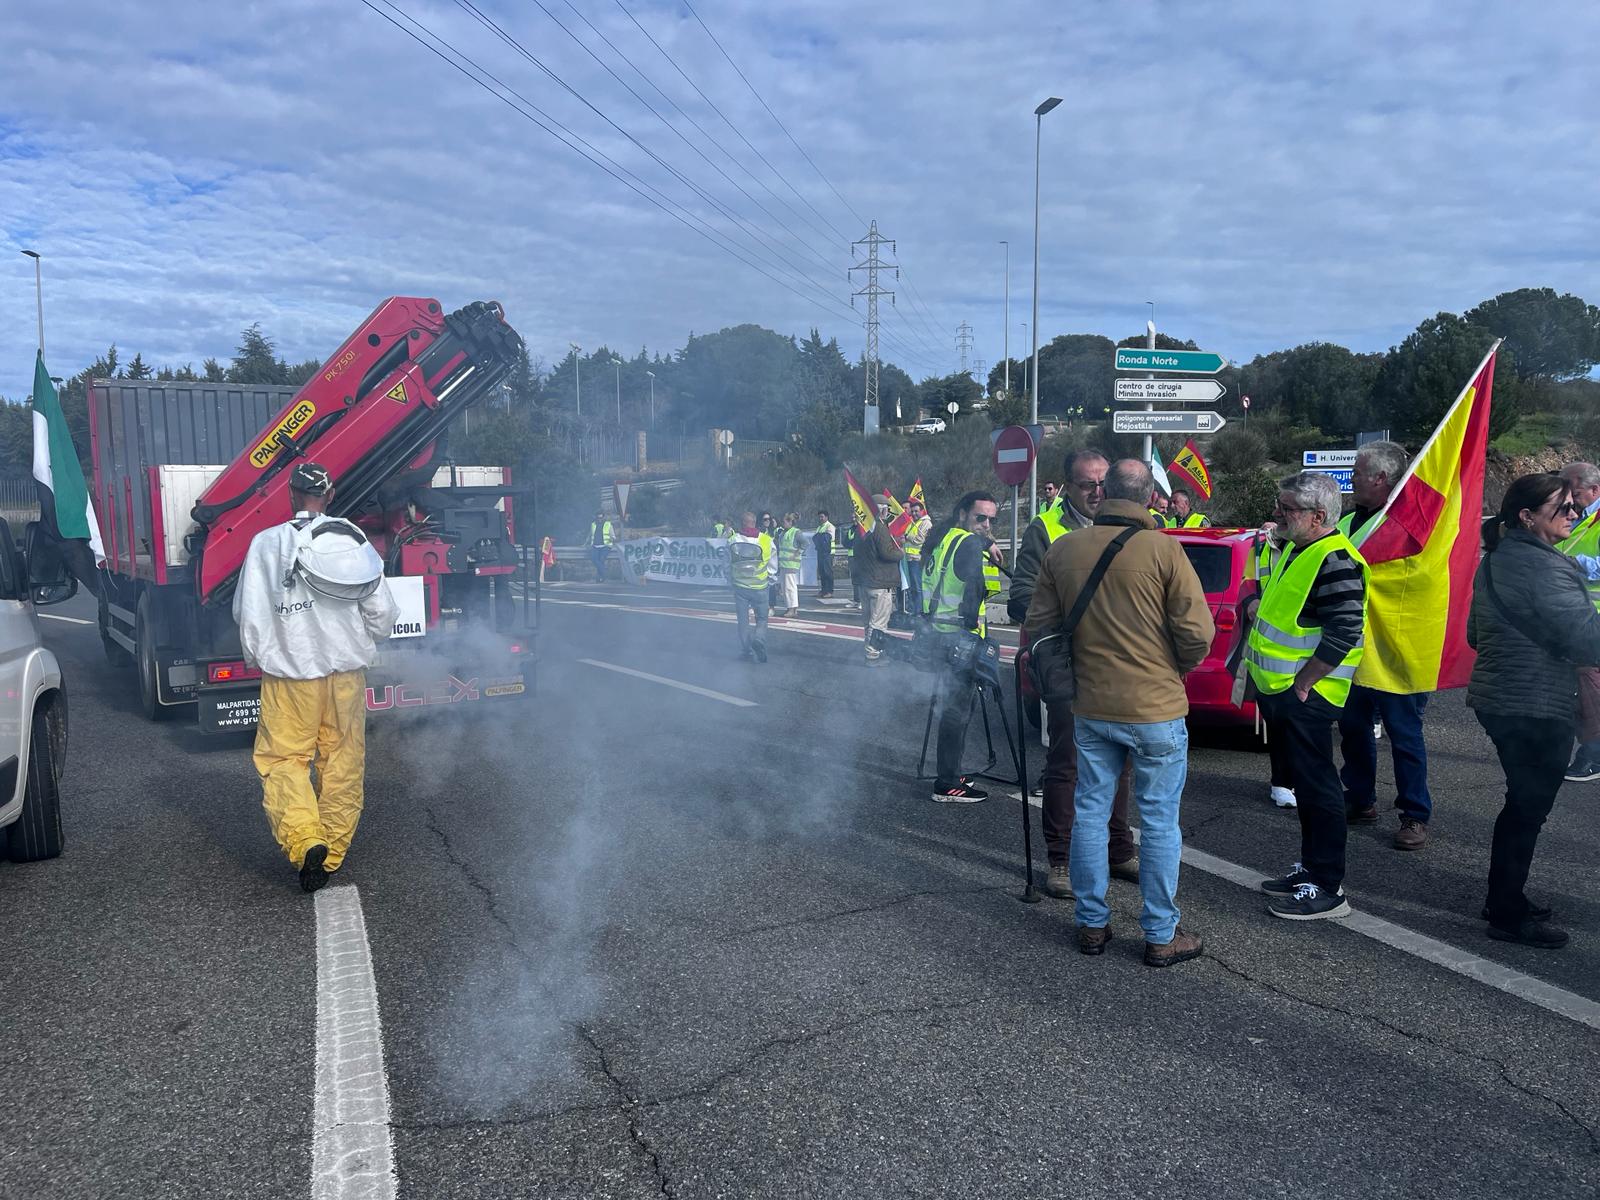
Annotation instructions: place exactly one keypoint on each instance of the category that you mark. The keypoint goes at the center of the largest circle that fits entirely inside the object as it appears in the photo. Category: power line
(839, 233)
(772, 247)
(574, 141)
(859, 219)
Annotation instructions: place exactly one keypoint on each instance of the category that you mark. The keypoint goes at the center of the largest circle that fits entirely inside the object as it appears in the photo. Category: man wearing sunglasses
(954, 590)
(1306, 639)
(1378, 470)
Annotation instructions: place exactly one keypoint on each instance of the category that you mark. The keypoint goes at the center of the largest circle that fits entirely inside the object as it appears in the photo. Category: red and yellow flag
(916, 496)
(902, 519)
(1423, 552)
(861, 502)
(1188, 463)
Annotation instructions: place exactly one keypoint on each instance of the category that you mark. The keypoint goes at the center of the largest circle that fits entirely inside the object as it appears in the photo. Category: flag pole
(1411, 467)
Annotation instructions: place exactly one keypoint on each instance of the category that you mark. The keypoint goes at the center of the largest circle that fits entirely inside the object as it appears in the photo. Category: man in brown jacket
(1146, 627)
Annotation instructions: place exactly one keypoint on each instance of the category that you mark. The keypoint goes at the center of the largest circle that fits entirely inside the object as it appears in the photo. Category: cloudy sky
(1267, 173)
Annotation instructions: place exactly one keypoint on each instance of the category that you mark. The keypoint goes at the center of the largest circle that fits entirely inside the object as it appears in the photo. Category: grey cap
(311, 478)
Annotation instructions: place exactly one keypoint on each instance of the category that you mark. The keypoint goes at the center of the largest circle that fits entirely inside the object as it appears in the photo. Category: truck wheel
(36, 834)
(116, 655)
(144, 638)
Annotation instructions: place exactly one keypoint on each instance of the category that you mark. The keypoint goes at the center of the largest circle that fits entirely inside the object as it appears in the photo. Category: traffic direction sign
(1173, 391)
(1328, 458)
(1013, 455)
(1180, 362)
(1169, 421)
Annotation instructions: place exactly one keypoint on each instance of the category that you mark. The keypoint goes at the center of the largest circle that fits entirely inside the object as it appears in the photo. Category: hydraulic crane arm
(373, 410)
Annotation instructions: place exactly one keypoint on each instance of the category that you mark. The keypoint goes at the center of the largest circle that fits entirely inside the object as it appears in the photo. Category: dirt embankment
(1501, 468)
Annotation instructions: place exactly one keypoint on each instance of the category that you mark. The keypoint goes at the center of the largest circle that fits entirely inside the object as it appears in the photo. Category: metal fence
(19, 499)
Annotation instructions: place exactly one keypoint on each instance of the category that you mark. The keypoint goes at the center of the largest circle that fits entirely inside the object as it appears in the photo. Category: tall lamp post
(652, 375)
(38, 295)
(1033, 405)
(1007, 339)
(617, 363)
(577, 375)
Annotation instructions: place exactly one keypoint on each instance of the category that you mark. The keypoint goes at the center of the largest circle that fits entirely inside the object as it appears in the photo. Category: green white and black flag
(65, 511)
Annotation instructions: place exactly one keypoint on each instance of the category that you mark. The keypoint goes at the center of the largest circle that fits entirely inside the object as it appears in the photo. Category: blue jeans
(913, 572)
(1402, 725)
(598, 555)
(1160, 753)
(751, 607)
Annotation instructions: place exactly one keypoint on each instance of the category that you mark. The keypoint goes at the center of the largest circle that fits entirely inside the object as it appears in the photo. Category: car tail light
(230, 672)
(1227, 617)
(516, 647)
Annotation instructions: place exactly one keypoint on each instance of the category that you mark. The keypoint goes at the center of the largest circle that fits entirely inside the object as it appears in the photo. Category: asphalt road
(631, 940)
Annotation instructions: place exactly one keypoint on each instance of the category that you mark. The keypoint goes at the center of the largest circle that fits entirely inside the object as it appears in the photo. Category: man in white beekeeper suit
(312, 605)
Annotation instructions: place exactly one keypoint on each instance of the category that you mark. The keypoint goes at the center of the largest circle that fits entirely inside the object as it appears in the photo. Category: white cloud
(1268, 174)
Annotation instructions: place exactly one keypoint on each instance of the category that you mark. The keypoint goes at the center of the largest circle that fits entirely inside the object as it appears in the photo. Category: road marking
(672, 683)
(1408, 941)
(69, 620)
(352, 1151)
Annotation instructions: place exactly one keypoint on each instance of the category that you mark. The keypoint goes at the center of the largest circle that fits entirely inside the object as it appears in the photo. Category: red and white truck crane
(186, 474)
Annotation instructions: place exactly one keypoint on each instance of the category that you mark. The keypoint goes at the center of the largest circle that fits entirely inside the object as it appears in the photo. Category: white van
(33, 699)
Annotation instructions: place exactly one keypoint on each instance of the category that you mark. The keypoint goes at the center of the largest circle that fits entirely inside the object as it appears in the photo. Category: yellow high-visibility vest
(1279, 645)
(942, 600)
(749, 560)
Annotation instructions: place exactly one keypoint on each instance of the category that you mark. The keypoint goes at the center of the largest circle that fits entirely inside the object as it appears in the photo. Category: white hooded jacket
(293, 632)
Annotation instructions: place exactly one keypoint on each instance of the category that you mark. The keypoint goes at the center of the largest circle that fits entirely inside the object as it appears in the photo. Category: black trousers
(956, 690)
(1305, 735)
(1060, 780)
(1533, 754)
(825, 574)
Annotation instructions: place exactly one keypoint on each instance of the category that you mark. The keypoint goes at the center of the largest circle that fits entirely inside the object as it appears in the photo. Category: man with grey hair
(1144, 626)
(1379, 468)
(1583, 546)
(1304, 643)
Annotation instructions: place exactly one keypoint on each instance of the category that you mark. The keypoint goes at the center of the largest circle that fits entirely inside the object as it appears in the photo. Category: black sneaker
(1284, 885)
(1309, 903)
(312, 876)
(761, 652)
(960, 792)
(1536, 912)
(1531, 933)
(1582, 770)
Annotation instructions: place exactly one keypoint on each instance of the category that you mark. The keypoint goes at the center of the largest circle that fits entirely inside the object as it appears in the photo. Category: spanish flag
(1188, 463)
(902, 519)
(859, 500)
(916, 496)
(1422, 549)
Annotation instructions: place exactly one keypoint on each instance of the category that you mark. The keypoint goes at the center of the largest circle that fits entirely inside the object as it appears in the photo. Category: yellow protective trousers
(304, 720)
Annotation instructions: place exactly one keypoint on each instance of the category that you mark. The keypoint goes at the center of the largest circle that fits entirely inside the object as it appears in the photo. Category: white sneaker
(1377, 731)
(1283, 797)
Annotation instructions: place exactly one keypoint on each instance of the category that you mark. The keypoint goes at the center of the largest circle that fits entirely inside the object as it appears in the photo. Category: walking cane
(1029, 894)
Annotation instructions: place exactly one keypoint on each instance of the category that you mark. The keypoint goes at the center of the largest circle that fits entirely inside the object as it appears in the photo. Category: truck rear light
(230, 672)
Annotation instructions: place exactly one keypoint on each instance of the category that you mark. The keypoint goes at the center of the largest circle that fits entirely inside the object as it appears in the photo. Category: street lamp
(1007, 339)
(652, 375)
(617, 363)
(1033, 406)
(577, 375)
(38, 295)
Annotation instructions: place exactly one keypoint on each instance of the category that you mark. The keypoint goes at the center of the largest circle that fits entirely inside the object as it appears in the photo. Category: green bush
(1533, 432)
(1236, 450)
(1245, 499)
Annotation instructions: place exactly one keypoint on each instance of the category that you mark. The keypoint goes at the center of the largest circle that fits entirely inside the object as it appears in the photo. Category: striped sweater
(1336, 603)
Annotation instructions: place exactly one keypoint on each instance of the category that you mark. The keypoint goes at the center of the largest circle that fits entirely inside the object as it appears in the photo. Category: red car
(1221, 557)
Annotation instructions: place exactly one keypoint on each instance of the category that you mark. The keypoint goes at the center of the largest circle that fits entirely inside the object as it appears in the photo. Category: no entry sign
(1013, 455)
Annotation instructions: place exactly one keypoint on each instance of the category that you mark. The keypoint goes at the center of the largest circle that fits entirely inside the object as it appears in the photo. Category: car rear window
(1214, 565)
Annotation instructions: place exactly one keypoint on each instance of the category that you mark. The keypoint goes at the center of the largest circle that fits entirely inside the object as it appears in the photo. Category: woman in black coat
(1533, 625)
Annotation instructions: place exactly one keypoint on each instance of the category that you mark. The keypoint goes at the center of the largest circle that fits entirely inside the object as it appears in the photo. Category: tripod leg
(927, 729)
(1029, 894)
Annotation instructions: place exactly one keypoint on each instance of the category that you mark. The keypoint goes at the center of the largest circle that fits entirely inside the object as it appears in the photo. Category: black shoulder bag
(1050, 658)
(1538, 636)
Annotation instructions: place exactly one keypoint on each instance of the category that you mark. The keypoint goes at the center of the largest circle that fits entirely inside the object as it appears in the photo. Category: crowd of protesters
(1138, 621)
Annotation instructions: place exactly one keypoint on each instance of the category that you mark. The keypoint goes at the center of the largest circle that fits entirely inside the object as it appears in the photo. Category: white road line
(1408, 941)
(352, 1152)
(672, 683)
(69, 620)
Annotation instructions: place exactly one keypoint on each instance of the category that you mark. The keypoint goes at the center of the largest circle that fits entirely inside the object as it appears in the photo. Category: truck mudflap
(235, 708)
